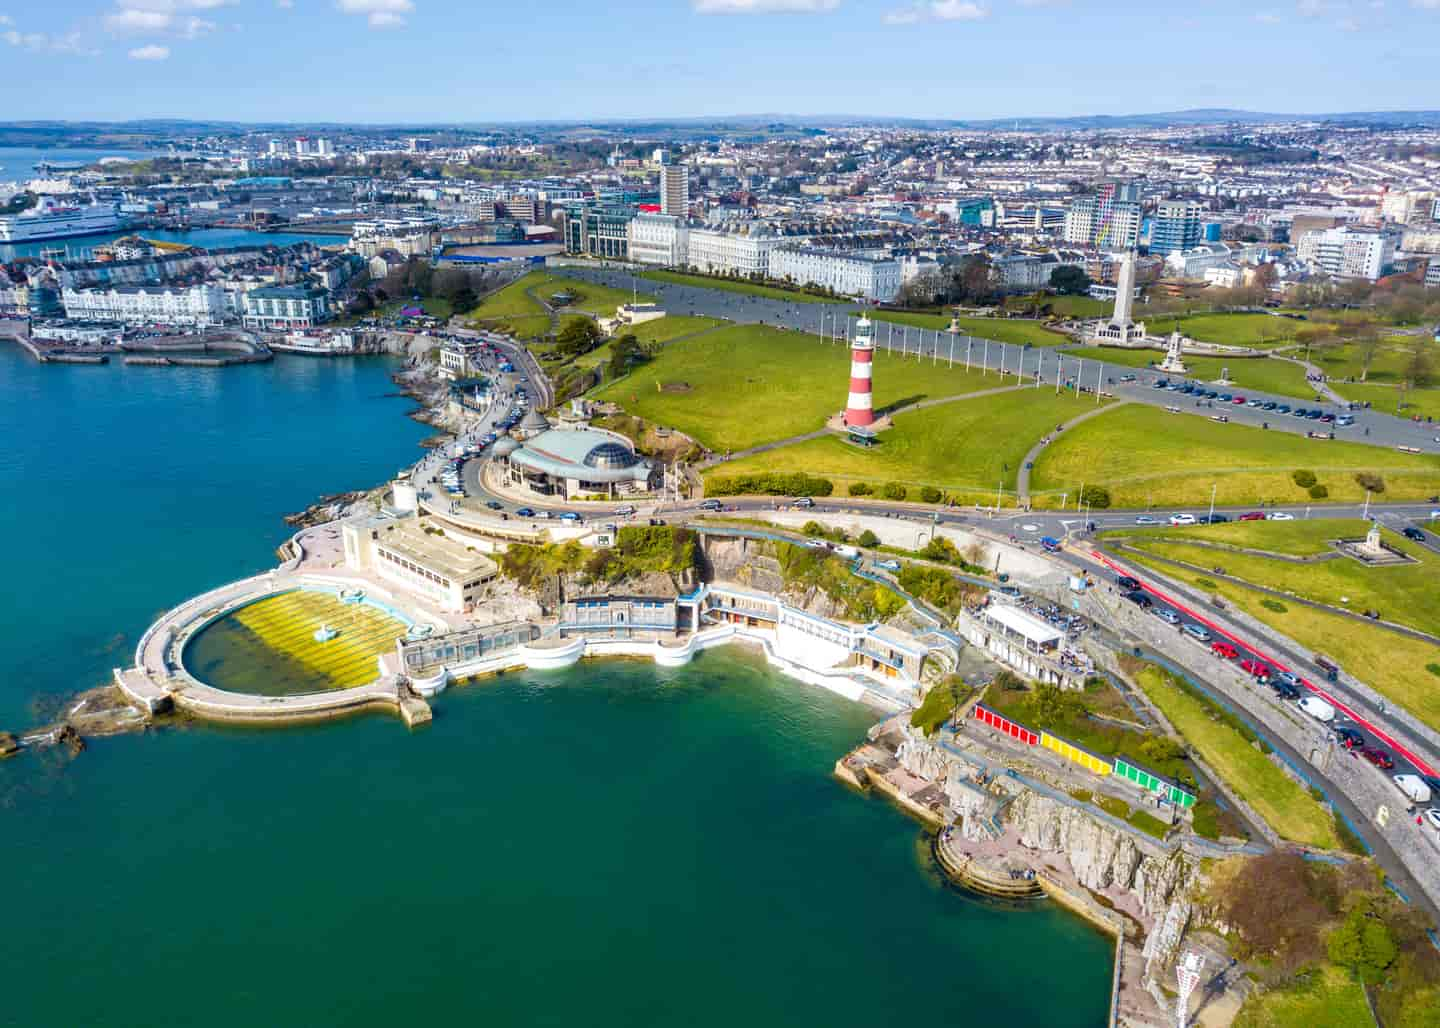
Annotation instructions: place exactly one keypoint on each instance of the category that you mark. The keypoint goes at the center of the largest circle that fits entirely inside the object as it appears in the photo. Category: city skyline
(307, 60)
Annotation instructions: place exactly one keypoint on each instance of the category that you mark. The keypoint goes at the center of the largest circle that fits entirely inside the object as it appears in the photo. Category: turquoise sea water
(612, 845)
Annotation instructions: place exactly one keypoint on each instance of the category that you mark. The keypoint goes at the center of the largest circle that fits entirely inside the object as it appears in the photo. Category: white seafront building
(862, 275)
(716, 251)
(661, 239)
(197, 306)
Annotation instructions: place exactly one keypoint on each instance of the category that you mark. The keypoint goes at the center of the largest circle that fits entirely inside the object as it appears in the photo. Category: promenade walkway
(1022, 478)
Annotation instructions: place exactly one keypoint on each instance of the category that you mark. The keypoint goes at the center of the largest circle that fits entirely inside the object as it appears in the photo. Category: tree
(1419, 369)
(1070, 280)
(1363, 944)
(624, 352)
(869, 539)
(973, 280)
(578, 336)
(1367, 345)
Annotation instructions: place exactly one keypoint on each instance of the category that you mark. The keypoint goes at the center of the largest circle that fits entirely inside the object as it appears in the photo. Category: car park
(1182, 519)
(1198, 632)
(1379, 758)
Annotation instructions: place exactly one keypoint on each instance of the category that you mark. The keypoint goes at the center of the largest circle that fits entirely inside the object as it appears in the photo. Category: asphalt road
(1042, 364)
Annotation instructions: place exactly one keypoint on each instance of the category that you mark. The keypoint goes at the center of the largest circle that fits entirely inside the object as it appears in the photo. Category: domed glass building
(576, 462)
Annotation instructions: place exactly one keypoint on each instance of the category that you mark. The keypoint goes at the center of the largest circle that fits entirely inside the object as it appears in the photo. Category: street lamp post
(1213, 487)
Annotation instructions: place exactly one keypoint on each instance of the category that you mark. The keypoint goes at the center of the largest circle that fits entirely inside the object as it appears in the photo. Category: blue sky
(427, 60)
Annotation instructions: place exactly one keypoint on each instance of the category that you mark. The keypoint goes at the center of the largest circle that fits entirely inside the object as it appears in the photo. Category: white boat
(51, 219)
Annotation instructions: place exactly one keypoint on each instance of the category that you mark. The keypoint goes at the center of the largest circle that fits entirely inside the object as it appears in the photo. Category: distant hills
(59, 132)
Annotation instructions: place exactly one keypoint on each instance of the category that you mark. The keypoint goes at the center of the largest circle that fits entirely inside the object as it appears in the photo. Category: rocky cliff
(751, 563)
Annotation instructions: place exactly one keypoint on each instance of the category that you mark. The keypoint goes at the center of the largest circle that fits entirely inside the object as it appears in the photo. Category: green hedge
(772, 483)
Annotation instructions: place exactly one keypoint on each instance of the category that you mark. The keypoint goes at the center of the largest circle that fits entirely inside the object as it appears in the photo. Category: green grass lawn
(1404, 594)
(748, 384)
(1330, 999)
(967, 447)
(595, 299)
(1393, 665)
(672, 326)
(1147, 457)
(1003, 330)
(1230, 329)
(1272, 376)
(1276, 797)
(511, 302)
(735, 285)
(1387, 365)
(1424, 402)
(1070, 306)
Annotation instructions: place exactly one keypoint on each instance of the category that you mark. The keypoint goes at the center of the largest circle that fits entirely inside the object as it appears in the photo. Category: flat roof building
(427, 563)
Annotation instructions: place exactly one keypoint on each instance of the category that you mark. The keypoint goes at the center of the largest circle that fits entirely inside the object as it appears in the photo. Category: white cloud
(1311, 8)
(285, 4)
(40, 42)
(1426, 5)
(1269, 19)
(134, 20)
(764, 6)
(150, 53)
(938, 10)
(5, 19)
(381, 14)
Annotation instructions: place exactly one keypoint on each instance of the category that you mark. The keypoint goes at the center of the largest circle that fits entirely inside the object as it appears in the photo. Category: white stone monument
(1119, 328)
(1174, 362)
(1372, 546)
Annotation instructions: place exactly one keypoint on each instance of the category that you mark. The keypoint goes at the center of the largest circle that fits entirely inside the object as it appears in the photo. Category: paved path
(1315, 378)
(1022, 480)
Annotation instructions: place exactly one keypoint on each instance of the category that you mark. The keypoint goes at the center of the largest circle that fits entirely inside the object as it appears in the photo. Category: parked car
(1224, 650)
(1433, 816)
(524, 512)
(1253, 515)
(1379, 758)
(1126, 582)
(494, 504)
(804, 501)
(1140, 600)
(569, 515)
(1413, 786)
(1350, 738)
(1411, 532)
(1146, 519)
(711, 504)
(1317, 708)
(1284, 691)
(1256, 668)
(888, 565)
(1182, 519)
(625, 511)
(1199, 632)
(1279, 515)
(1168, 616)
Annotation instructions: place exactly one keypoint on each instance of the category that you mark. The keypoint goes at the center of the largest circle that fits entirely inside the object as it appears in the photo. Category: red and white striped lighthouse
(858, 409)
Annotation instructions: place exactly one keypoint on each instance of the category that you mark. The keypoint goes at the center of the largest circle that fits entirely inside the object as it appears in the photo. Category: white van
(1316, 708)
(1414, 787)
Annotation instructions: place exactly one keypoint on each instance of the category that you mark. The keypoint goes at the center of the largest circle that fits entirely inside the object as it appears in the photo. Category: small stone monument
(1174, 363)
(1372, 546)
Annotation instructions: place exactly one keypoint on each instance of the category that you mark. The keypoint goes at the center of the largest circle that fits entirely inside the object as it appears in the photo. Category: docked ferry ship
(52, 219)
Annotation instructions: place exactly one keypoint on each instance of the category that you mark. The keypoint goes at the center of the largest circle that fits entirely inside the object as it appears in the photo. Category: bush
(942, 551)
(795, 483)
(860, 489)
(895, 491)
(869, 539)
(1434, 669)
(1274, 605)
(813, 528)
(1095, 496)
(1318, 492)
(1304, 479)
(930, 494)
(1370, 480)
